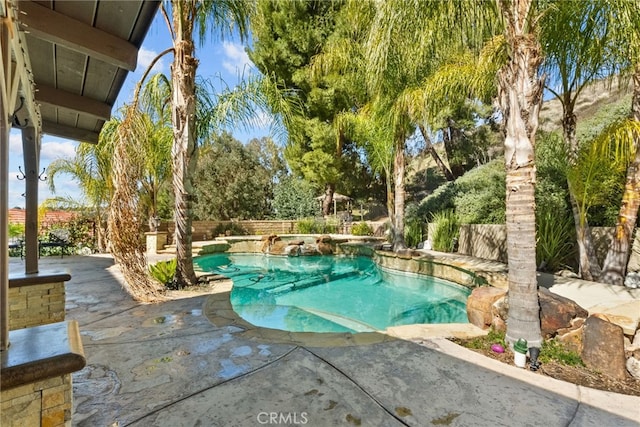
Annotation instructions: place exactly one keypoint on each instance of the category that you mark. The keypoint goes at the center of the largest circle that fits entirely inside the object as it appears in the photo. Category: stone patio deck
(167, 364)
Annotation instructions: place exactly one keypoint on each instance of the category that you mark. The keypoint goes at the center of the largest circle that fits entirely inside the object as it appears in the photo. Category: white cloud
(145, 57)
(236, 59)
(15, 144)
(52, 150)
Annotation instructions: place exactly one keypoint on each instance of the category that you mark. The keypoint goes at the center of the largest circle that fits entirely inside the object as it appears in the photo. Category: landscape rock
(633, 367)
(325, 238)
(324, 248)
(480, 305)
(557, 312)
(500, 308)
(603, 347)
(292, 250)
(268, 241)
(632, 280)
(309, 249)
(498, 324)
(571, 338)
(636, 339)
(278, 247)
(296, 242)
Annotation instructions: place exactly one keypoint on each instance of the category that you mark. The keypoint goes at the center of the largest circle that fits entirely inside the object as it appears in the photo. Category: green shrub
(555, 236)
(441, 199)
(307, 226)
(413, 226)
(480, 195)
(485, 342)
(362, 229)
(445, 231)
(315, 226)
(229, 229)
(552, 192)
(164, 271)
(16, 230)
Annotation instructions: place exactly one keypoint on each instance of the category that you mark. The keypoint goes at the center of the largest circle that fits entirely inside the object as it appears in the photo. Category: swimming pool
(333, 294)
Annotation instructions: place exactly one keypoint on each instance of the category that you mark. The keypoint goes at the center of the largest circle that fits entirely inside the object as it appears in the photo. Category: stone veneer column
(43, 403)
(156, 240)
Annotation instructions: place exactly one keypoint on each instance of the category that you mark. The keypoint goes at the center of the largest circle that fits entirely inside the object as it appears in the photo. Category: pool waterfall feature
(278, 288)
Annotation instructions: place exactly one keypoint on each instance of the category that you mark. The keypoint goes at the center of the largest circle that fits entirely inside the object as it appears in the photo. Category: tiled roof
(17, 216)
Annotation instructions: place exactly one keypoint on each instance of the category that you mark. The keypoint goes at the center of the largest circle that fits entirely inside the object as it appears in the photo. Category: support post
(4, 211)
(30, 149)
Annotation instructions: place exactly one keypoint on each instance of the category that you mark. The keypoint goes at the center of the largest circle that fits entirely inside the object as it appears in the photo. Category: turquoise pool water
(333, 294)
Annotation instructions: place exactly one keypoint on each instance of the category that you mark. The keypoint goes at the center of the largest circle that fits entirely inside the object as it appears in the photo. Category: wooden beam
(69, 132)
(81, 104)
(52, 26)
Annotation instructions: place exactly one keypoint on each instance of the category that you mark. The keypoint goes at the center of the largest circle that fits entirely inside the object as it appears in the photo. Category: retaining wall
(489, 241)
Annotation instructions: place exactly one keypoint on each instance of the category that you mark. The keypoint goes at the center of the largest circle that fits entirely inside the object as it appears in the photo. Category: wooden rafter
(70, 132)
(49, 25)
(81, 104)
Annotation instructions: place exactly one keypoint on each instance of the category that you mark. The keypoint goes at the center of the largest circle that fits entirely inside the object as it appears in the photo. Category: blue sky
(218, 59)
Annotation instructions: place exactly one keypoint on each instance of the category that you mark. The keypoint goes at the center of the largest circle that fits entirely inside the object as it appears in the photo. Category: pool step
(310, 282)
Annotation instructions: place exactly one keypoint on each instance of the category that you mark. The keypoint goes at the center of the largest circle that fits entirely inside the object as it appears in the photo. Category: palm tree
(186, 15)
(575, 39)
(519, 96)
(91, 168)
(624, 19)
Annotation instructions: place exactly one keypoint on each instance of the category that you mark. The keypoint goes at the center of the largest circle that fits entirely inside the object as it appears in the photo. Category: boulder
(278, 247)
(325, 238)
(633, 367)
(480, 305)
(292, 250)
(498, 324)
(309, 249)
(632, 280)
(268, 241)
(603, 347)
(557, 312)
(296, 242)
(571, 338)
(500, 308)
(324, 248)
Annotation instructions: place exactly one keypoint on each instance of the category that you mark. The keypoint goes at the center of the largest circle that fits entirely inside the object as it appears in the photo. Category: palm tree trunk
(399, 195)
(615, 264)
(390, 196)
(520, 96)
(589, 269)
(329, 189)
(434, 154)
(183, 151)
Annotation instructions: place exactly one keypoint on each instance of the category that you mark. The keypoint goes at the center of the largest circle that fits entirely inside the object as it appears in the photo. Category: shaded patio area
(168, 364)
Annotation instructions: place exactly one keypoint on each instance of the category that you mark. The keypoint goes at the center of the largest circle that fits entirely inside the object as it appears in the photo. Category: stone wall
(43, 403)
(489, 241)
(429, 266)
(36, 304)
(203, 230)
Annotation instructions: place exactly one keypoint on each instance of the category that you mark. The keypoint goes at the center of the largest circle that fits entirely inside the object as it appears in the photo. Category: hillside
(592, 99)
(596, 100)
